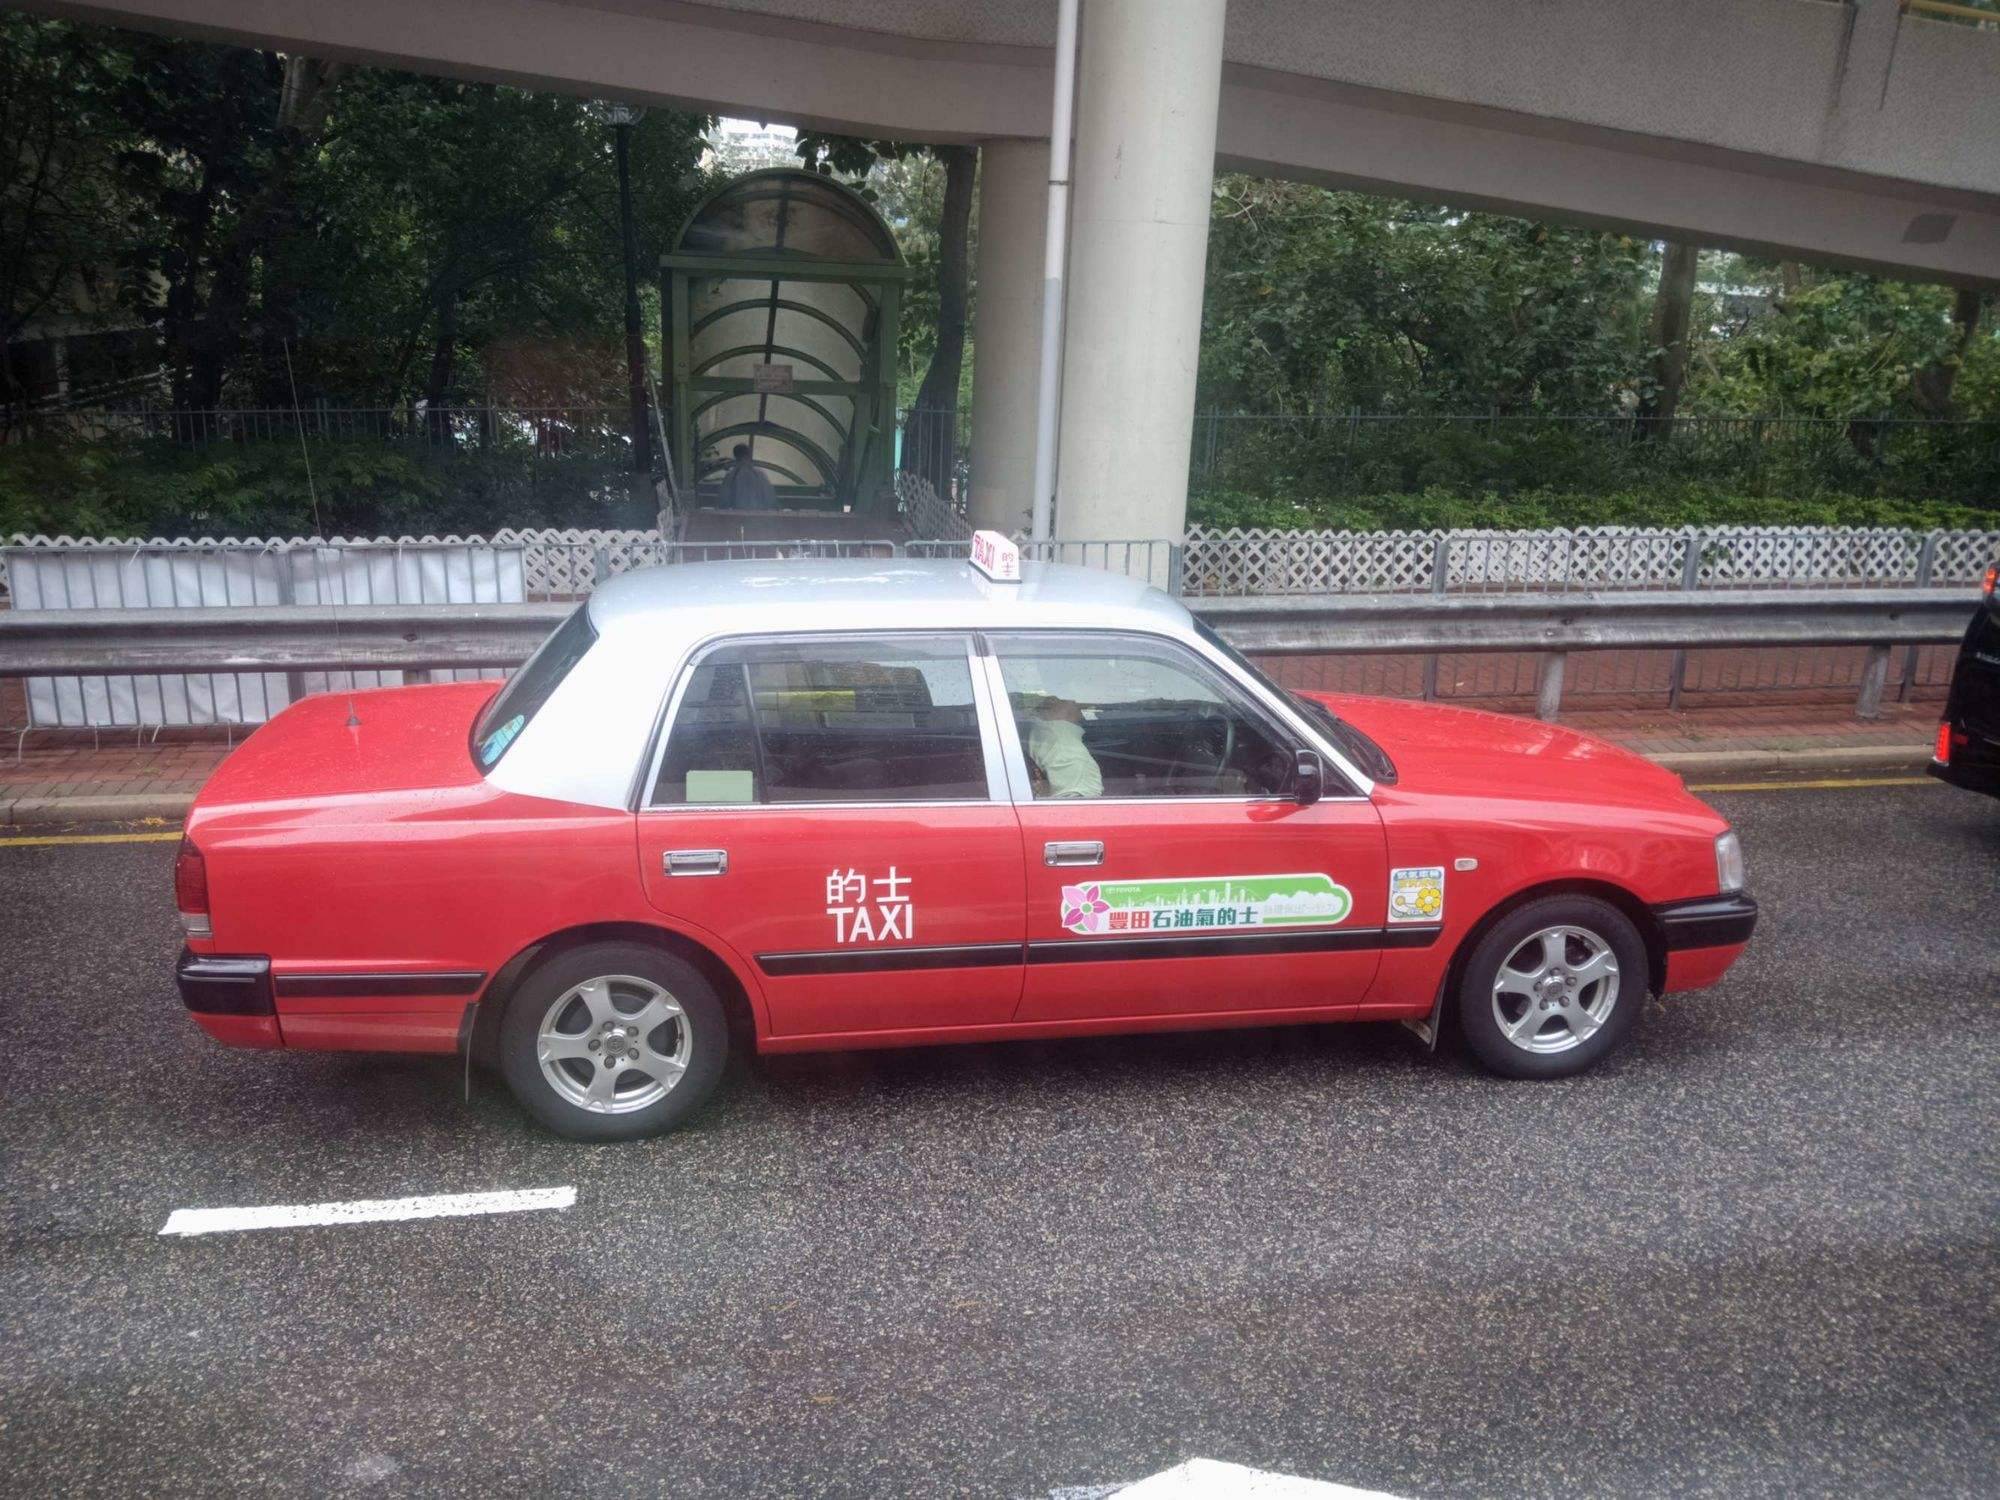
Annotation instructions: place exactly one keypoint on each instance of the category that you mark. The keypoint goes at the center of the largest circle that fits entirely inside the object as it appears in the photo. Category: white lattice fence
(571, 562)
(553, 561)
(1241, 561)
(924, 515)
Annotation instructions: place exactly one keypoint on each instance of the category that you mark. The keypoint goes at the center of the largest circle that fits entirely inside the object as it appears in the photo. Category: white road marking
(186, 1221)
(1208, 1479)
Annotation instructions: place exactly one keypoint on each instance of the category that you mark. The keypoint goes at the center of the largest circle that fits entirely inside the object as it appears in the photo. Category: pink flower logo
(1083, 908)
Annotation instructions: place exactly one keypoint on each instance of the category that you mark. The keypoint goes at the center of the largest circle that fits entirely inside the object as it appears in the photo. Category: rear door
(1169, 869)
(834, 808)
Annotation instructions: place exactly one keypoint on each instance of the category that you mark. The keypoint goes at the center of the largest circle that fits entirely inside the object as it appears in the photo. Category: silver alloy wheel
(613, 1044)
(1556, 989)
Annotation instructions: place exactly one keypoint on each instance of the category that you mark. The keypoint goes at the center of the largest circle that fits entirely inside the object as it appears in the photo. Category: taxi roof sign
(997, 556)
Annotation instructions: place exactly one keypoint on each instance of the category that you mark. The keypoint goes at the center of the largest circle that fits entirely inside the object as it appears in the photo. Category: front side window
(1120, 716)
(509, 710)
(826, 721)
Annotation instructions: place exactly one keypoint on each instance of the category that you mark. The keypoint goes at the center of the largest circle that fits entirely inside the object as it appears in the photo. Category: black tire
(706, 1041)
(1567, 1007)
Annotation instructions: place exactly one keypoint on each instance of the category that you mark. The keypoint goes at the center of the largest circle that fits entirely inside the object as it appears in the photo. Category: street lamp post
(622, 118)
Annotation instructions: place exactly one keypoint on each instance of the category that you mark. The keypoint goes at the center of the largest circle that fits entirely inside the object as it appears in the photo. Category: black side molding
(1707, 921)
(1089, 950)
(337, 986)
(225, 986)
(1228, 944)
(889, 960)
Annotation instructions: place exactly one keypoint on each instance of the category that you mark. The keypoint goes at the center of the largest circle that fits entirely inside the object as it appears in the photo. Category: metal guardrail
(294, 638)
(417, 637)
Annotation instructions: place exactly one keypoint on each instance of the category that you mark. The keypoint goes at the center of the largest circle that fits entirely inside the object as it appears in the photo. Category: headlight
(1728, 862)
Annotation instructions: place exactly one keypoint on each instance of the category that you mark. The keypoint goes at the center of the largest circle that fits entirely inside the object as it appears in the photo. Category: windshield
(1364, 752)
(528, 689)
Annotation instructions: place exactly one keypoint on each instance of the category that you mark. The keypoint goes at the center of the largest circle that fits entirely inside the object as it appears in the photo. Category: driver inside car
(1062, 764)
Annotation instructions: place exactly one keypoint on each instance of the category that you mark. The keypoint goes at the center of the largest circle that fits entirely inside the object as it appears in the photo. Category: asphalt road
(1757, 1253)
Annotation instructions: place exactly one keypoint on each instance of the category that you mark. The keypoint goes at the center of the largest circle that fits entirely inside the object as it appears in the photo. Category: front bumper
(1707, 922)
(230, 998)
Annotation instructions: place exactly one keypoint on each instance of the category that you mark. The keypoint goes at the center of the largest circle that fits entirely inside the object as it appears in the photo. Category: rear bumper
(216, 986)
(1972, 778)
(230, 998)
(1975, 759)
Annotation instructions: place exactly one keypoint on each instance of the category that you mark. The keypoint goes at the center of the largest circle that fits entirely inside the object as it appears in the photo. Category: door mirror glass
(1308, 778)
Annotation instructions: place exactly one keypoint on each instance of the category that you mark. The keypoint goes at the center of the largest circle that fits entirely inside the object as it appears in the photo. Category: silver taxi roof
(816, 593)
(586, 742)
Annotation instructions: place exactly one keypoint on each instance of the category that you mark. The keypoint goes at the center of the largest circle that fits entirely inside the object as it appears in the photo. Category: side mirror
(1308, 778)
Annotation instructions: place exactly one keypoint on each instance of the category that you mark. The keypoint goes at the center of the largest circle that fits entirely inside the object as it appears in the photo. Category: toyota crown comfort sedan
(812, 805)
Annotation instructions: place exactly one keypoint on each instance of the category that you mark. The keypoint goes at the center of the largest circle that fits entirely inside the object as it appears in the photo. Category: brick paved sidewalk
(62, 776)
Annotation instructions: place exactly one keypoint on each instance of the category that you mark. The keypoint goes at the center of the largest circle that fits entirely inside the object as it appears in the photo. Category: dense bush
(363, 488)
(404, 487)
(1334, 457)
(1668, 504)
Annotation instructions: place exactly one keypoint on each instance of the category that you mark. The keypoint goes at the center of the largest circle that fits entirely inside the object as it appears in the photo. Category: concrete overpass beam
(1149, 81)
(1006, 332)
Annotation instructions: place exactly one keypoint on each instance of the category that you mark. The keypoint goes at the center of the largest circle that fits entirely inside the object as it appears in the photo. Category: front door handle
(695, 861)
(1079, 852)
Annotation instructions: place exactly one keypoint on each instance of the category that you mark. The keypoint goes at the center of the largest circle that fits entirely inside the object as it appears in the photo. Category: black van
(1968, 742)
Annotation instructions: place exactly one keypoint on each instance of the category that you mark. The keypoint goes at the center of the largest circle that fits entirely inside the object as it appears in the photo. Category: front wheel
(613, 1041)
(1553, 988)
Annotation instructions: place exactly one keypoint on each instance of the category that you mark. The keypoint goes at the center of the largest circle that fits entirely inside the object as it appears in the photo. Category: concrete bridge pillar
(1149, 78)
(1006, 332)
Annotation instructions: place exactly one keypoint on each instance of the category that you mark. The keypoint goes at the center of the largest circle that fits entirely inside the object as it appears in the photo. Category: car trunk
(348, 744)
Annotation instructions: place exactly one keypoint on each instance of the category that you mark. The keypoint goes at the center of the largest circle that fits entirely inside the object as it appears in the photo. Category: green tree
(1842, 345)
(62, 208)
(1321, 300)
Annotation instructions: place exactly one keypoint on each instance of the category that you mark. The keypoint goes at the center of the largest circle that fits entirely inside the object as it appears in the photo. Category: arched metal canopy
(780, 307)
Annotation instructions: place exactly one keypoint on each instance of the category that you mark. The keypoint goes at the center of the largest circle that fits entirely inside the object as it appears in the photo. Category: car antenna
(319, 526)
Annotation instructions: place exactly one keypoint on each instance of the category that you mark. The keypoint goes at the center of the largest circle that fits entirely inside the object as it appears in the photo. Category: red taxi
(812, 805)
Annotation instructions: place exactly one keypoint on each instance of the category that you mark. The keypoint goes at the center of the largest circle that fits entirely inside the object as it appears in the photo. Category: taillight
(1992, 576)
(191, 890)
(1942, 755)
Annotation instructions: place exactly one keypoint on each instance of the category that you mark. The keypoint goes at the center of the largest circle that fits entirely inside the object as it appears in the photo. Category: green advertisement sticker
(1205, 903)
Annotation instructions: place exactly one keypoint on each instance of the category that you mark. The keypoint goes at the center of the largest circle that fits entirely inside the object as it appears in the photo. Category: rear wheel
(613, 1041)
(1553, 987)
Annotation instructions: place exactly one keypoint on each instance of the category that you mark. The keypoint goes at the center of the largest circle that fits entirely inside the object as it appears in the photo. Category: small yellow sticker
(1417, 895)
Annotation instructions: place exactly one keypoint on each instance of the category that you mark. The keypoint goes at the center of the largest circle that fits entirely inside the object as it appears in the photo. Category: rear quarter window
(516, 704)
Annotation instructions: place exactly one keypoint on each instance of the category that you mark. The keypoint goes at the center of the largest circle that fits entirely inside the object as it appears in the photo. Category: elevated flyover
(1861, 133)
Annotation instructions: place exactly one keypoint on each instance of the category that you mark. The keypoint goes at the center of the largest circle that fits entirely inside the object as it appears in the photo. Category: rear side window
(528, 689)
(832, 721)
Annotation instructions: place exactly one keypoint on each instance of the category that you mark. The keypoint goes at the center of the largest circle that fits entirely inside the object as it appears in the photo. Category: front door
(833, 808)
(1169, 871)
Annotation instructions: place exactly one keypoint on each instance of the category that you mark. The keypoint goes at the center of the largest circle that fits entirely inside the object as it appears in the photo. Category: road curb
(127, 807)
(1773, 762)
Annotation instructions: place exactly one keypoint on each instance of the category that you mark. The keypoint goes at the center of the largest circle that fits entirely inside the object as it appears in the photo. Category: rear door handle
(1079, 852)
(695, 861)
